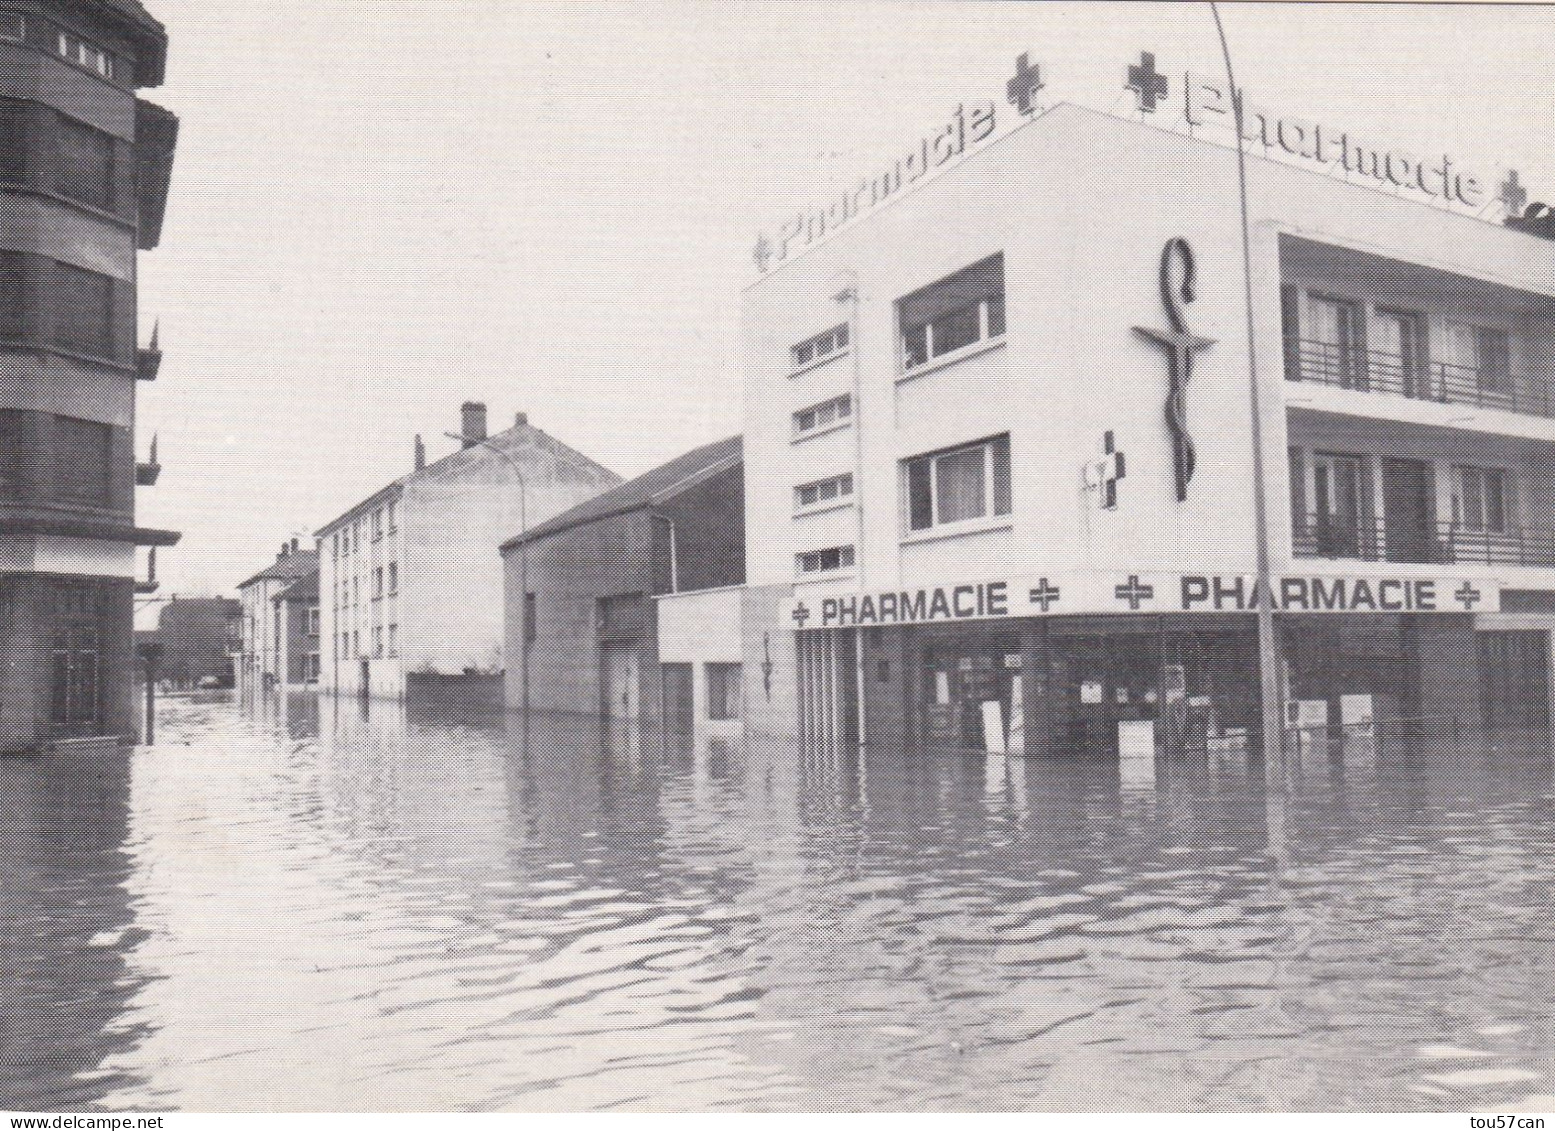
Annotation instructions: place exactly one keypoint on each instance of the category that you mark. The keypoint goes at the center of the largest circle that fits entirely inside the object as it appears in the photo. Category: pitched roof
(287, 568)
(514, 439)
(664, 481)
(304, 589)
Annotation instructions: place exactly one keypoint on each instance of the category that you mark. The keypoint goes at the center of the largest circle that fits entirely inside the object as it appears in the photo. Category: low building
(297, 627)
(410, 581)
(264, 639)
(594, 576)
(199, 637)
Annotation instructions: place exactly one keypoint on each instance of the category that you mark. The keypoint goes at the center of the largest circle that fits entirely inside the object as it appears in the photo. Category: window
(377, 525)
(13, 137)
(394, 578)
(822, 415)
(823, 491)
(393, 523)
(83, 467)
(356, 591)
(85, 54)
(311, 671)
(85, 164)
(378, 643)
(1333, 350)
(356, 642)
(334, 545)
(345, 645)
(394, 643)
(1343, 521)
(83, 310)
(723, 692)
(821, 346)
(958, 485)
(954, 313)
(13, 26)
(1479, 498)
(313, 621)
(378, 583)
(820, 561)
(1400, 360)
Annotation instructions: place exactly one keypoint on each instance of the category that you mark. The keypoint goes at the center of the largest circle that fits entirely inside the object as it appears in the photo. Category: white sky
(382, 209)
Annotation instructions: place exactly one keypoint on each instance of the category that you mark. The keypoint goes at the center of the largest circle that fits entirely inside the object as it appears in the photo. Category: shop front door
(75, 685)
(969, 692)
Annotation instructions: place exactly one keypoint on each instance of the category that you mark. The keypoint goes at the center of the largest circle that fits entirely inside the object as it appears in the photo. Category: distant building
(593, 575)
(199, 637)
(260, 666)
(297, 627)
(410, 580)
(84, 171)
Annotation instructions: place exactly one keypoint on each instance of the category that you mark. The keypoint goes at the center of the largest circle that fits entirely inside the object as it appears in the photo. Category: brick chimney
(296, 545)
(474, 424)
(421, 454)
(520, 419)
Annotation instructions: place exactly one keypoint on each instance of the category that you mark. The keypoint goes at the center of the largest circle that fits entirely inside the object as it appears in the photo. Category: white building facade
(262, 664)
(410, 579)
(978, 516)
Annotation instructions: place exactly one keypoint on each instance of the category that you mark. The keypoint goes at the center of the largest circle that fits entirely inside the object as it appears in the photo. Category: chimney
(282, 554)
(296, 544)
(520, 420)
(474, 429)
(421, 454)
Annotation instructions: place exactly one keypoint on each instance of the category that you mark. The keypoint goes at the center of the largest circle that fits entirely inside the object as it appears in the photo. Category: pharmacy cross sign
(801, 614)
(1134, 592)
(1468, 596)
(1513, 194)
(1045, 594)
(1022, 89)
(1177, 283)
(1148, 86)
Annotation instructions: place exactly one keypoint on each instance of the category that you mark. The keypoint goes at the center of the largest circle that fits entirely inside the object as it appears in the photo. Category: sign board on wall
(1141, 592)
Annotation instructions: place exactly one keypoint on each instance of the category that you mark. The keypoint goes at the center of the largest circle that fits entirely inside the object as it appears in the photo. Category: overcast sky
(383, 209)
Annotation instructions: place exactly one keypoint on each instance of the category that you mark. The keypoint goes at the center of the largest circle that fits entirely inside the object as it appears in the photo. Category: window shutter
(1290, 330)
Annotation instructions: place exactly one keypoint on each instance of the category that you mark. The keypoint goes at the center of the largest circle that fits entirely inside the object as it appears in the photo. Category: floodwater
(279, 910)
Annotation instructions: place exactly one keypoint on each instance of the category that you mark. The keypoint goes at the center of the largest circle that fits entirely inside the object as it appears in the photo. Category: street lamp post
(523, 570)
(1268, 651)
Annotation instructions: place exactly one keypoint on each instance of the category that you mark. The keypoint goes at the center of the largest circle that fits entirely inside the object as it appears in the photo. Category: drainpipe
(847, 292)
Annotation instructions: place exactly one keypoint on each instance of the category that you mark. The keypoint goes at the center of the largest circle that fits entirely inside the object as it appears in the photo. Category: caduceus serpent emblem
(1177, 280)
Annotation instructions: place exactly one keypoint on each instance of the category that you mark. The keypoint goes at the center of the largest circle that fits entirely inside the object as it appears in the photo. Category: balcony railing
(1443, 543)
(1373, 371)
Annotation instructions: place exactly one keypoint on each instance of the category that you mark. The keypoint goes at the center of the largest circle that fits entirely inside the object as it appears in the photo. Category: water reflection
(341, 907)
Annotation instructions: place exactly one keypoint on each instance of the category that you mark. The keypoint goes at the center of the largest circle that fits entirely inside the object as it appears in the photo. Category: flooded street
(330, 910)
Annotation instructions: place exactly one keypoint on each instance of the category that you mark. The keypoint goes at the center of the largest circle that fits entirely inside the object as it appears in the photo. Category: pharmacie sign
(1140, 592)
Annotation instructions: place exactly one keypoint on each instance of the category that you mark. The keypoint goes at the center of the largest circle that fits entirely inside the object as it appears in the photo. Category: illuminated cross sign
(1148, 86)
(1045, 594)
(1513, 194)
(1022, 89)
(1134, 592)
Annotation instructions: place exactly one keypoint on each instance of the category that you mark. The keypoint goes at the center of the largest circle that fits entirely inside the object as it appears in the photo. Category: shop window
(822, 415)
(1479, 498)
(823, 491)
(723, 692)
(85, 164)
(958, 485)
(820, 347)
(822, 561)
(953, 314)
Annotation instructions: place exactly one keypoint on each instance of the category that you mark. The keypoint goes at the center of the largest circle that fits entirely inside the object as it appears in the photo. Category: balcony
(1372, 371)
(1441, 543)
